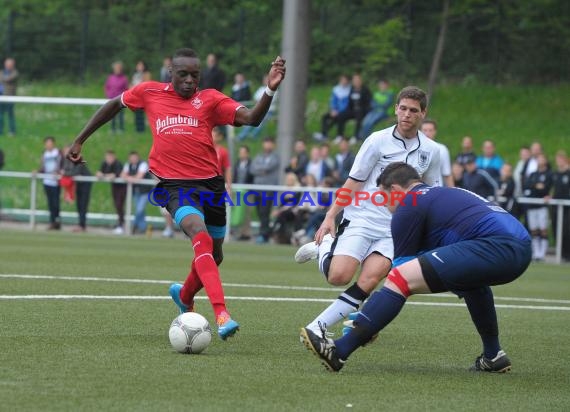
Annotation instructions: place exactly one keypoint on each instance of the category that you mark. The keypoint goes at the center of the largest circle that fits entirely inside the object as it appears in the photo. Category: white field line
(253, 298)
(256, 286)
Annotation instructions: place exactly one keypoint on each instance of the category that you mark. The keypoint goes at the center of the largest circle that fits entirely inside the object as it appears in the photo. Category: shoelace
(323, 327)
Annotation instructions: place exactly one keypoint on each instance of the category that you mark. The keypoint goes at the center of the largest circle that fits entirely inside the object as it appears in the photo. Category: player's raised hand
(74, 153)
(276, 73)
(327, 227)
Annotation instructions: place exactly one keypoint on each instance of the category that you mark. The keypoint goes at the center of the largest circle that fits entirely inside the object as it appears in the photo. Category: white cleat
(307, 252)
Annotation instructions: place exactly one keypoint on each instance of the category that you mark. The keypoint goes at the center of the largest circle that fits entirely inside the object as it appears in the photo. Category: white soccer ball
(190, 333)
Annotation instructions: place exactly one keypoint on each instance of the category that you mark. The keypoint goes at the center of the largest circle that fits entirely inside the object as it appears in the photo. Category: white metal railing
(34, 177)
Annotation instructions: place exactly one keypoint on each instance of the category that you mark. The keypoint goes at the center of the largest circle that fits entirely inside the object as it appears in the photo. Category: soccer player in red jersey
(184, 160)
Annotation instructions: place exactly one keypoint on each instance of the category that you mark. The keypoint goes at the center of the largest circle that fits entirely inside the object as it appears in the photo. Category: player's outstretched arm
(101, 116)
(255, 115)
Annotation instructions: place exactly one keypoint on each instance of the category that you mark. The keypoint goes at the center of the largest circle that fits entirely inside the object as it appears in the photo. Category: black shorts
(205, 197)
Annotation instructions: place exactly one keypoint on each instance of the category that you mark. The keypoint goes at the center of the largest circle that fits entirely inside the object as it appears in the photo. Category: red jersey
(182, 145)
(223, 159)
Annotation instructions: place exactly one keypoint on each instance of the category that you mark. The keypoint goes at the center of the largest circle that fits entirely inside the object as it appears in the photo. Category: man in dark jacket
(212, 76)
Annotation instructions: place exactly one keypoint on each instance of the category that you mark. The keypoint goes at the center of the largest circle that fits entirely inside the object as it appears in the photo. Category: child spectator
(51, 163)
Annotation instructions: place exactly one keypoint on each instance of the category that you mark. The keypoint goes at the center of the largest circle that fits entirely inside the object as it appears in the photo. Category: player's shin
(348, 302)
(382, 307)
(207, 271)
(192, 285)
(481, 306)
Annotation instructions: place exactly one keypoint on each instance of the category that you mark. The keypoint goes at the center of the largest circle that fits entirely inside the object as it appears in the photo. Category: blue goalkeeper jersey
(431, 217)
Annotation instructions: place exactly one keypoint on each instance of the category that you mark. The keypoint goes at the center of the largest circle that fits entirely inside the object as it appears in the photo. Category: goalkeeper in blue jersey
(469, 245)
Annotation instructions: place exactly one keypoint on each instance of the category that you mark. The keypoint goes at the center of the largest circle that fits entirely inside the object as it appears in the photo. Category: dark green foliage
(492, 41)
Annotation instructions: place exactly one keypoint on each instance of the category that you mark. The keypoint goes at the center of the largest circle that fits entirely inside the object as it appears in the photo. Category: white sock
(348, 302)
(324, 251)
(543, 247)
(336, 312)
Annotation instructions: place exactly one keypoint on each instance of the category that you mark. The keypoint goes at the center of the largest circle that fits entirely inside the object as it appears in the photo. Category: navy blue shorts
(472, 264)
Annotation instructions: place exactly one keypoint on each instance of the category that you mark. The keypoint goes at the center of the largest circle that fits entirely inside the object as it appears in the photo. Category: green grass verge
(114, 355)
(511, 115)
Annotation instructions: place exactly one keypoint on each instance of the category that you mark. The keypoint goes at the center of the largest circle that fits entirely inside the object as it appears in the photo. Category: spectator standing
(241, 91)
(490, 161)
(225, 166)
(562, 191)
(338, 103)
(212, 76)
(133, 171)
(429, 128)
(531, 165)
(344, 160)
(359, 102)
(165, 75)
(325, 150)
(247, 131)
(538, 186)
(8, 86)
(265, 171)
(287, 216)
(457, 172)
(382, 108)
(507, 188)
(82, 189)
(466, 151)
(141, 74)
(51, 162)
(111, 169)
(479, 181)
(117, 82)
(518, 209)
(317, 166)
(524, 155)
(242, 175)
(299, 160)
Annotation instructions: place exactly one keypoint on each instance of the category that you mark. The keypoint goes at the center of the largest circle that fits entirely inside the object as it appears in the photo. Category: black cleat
(324, 348)
(499, 364)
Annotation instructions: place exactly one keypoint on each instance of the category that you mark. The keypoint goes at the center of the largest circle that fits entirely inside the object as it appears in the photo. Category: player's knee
(341, 272)
(337, 278)
(192, 225)
(374, 277)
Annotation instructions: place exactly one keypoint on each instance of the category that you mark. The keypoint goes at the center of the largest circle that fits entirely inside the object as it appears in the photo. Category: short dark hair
(430, 121)
(185, 52)
(398, 173)
(414, 93)
(246, 147)
(49, 138)
(110, 151)
(133, 153)
(269, 139)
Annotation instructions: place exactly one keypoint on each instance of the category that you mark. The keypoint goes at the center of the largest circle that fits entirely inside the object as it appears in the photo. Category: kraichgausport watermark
(342, 197)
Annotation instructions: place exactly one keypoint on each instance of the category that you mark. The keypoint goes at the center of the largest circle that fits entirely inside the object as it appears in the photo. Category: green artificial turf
(114, 355)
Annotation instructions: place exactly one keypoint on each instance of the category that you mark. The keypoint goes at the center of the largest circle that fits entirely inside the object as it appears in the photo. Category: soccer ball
(190, 333)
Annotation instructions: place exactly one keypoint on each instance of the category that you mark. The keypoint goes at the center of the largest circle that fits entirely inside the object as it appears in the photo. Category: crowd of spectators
(318, 165)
